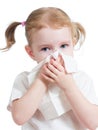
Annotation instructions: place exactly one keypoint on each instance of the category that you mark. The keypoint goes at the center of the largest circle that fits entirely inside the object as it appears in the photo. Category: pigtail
(79, 33)
(10, 35)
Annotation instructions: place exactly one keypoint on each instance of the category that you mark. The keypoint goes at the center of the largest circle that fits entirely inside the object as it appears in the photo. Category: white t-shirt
(66, 121)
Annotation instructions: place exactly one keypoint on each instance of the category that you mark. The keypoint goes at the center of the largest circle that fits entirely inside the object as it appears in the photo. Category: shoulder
(82, 75)
(83, 79)
(86, 85)
(22, 75)
(21, 79)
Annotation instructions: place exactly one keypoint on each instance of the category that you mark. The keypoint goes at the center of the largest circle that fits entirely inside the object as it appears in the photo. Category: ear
(74, 41)
(29, 51)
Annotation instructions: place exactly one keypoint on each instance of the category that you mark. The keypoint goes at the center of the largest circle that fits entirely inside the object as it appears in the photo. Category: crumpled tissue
(54, 103)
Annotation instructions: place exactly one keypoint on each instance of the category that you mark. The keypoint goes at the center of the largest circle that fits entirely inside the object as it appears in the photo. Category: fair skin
(45, 42)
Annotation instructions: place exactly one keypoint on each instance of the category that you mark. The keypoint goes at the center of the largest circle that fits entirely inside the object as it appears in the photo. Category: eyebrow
(50, 44)
(64, 42)
(43, 45)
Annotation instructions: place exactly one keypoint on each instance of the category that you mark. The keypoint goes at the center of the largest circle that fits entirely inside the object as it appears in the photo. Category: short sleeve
(86, 86)
(19, 88)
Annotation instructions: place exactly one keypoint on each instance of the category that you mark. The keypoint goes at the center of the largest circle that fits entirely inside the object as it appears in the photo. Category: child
(48, 31)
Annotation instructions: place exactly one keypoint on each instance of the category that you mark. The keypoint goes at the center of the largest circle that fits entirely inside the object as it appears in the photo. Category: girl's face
(48, 40)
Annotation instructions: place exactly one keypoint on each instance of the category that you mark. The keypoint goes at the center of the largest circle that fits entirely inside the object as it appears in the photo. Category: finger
(61, 60)
(47, 78)
(49, 72)
(53, 69)
(57, 65)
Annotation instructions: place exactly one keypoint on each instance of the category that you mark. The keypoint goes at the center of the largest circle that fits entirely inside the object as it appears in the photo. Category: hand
(41, 77)
(55, 72)
(43, 68)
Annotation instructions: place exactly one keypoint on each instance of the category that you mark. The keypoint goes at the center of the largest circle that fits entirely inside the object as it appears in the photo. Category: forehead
(50, 34)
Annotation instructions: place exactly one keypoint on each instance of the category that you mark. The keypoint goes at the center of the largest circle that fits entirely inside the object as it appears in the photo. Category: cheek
(42, 55)
(39, 57)
(69, 51)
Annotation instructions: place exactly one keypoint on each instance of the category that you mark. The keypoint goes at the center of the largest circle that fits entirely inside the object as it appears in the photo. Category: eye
(63, 45)
(45, 49)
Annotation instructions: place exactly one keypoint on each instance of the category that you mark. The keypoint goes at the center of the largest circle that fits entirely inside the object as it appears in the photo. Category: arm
(85, 112)
(24, 108)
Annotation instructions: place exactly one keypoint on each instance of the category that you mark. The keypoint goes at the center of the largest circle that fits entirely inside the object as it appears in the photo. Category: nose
(55, 49)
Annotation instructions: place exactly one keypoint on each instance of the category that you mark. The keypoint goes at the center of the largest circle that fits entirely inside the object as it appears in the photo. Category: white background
(16, 60)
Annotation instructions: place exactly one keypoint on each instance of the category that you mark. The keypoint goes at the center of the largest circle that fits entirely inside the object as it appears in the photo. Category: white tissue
(54, 103)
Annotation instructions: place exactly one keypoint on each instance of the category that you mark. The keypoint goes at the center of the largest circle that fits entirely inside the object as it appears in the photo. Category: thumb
(60, 60)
